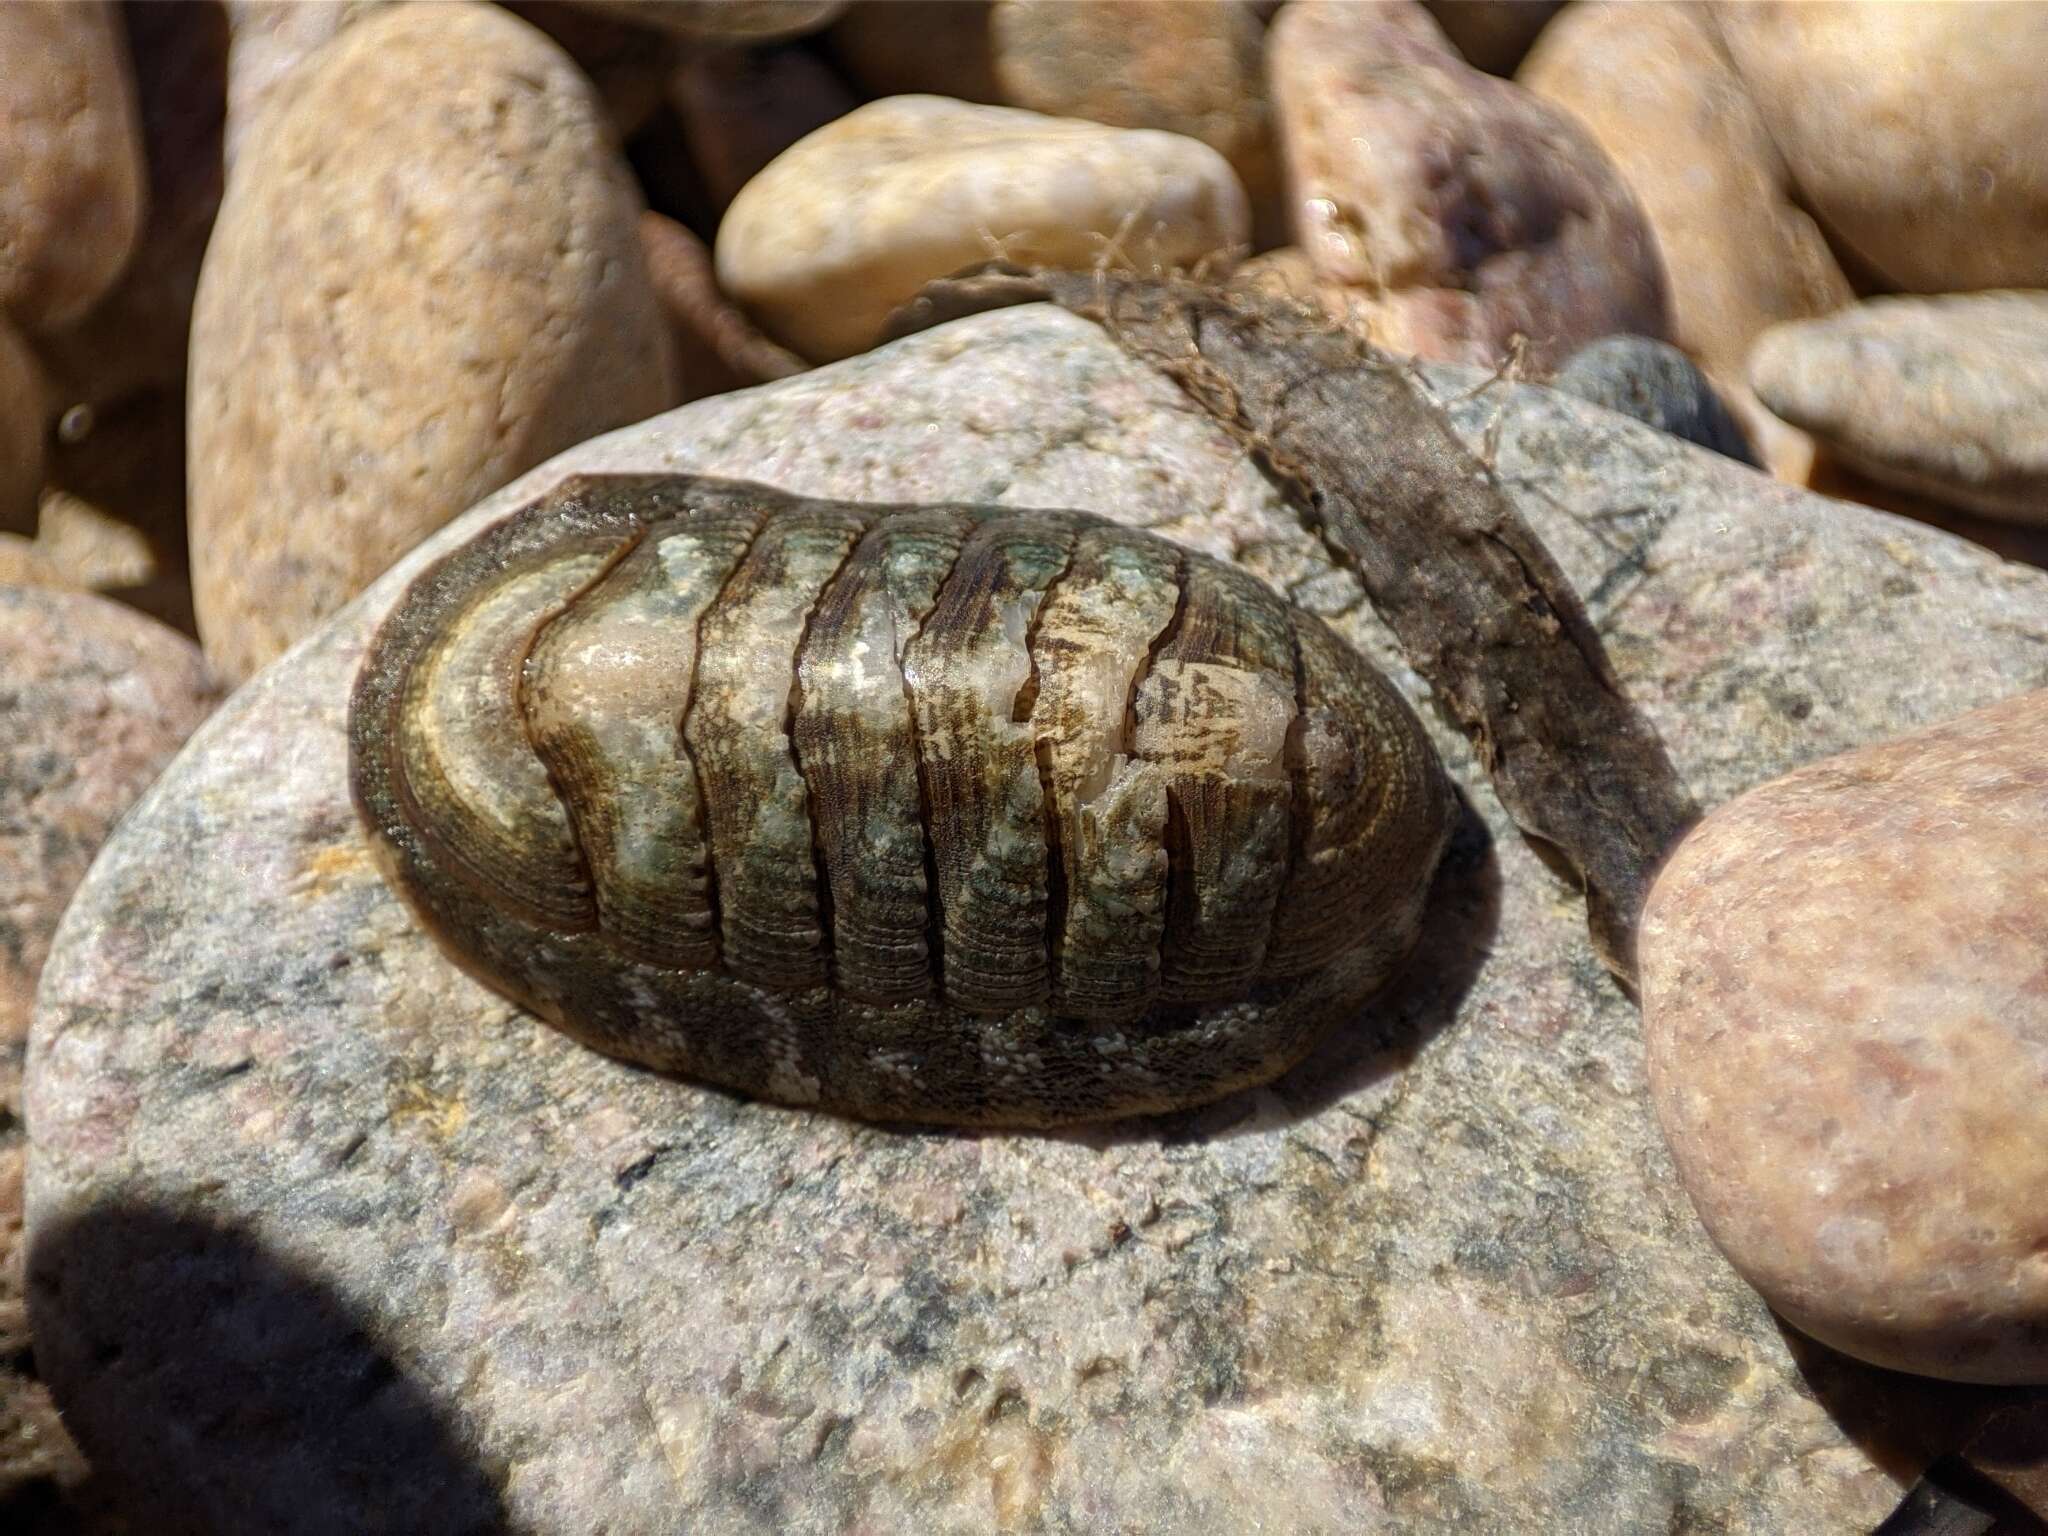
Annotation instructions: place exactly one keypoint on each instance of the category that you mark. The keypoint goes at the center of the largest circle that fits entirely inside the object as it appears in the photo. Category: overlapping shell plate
(951, 814)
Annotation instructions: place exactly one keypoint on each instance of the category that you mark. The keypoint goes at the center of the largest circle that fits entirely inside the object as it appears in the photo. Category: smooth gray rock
(326, 1236)
(1945, 396)
(1659, 386)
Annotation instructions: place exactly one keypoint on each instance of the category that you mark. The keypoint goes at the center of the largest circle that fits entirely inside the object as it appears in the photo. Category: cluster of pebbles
(286, 288)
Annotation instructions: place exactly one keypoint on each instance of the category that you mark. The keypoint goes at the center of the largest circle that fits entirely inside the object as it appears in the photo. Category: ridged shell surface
(949, 814)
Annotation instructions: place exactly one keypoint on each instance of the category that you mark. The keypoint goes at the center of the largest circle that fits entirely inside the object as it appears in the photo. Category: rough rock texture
(1947, 396)
(1847, 1027)
(1652, 85)
(1442, 1277)
(94, 699)
(23, 409)
(1918, 134)
(909, 47)
(1193, 67)
(853, 220)
(1451, 210)
(268, 40)
(71, 168)
(1659, 386)
(740, 108)
(426, 278)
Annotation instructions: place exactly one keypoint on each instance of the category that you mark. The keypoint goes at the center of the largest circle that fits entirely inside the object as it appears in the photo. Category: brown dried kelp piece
(1480, 608)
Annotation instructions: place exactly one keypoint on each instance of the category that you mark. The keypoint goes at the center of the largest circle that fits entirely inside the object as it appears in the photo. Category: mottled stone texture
(1946, 396)
(1847, 1020)
(1447, 211)
(94, 699)
(425, 279)
(1441, 1277)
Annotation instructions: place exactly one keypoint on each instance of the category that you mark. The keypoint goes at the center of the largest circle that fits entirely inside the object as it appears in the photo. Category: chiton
(950, 814)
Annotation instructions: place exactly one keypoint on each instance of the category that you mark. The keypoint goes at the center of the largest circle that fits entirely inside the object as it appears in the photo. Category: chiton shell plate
(947, 814)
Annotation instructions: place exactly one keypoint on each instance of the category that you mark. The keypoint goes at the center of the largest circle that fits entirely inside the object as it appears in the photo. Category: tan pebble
(1193, 67)
(426, 278)
(853, 220)
(1461, 208)
(71, 168)
(1945, 397)
(1846, 1011)
(1918, 134)
(1651, 85)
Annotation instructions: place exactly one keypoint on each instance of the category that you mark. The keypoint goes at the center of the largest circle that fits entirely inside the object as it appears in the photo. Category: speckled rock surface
(1652, 85)
(1947, 396)
(268, 40)
(1847, 1027)
(854, 219)
(71, 171)
(1659, 386)
(1918, 134)
(426, 277)
(94, 699)
(1452, 210)
(444, 1264)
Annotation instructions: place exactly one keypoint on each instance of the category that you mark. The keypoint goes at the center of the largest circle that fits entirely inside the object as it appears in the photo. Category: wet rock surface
(1947, 396)
(426, 277)
(1440, 1277)
(1847, 1024)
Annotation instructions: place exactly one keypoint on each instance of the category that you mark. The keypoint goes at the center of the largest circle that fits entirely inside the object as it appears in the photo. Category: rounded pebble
(851, 221)
(1918, 134)
(1846, 1013)
(1456, 209)
(72, 177)
(426, 277)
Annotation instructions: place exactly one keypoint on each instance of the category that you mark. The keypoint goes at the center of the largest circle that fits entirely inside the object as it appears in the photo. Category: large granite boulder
(327, 1236)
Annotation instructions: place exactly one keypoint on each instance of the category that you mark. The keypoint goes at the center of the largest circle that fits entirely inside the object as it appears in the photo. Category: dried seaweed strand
(1478, 604)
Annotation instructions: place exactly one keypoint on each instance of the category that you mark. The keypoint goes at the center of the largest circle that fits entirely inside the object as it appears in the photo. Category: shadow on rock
(1915, 1425)
(1458, 930)
(217, 1388)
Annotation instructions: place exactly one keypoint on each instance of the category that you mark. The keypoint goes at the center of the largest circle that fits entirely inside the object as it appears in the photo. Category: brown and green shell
(949, 814)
